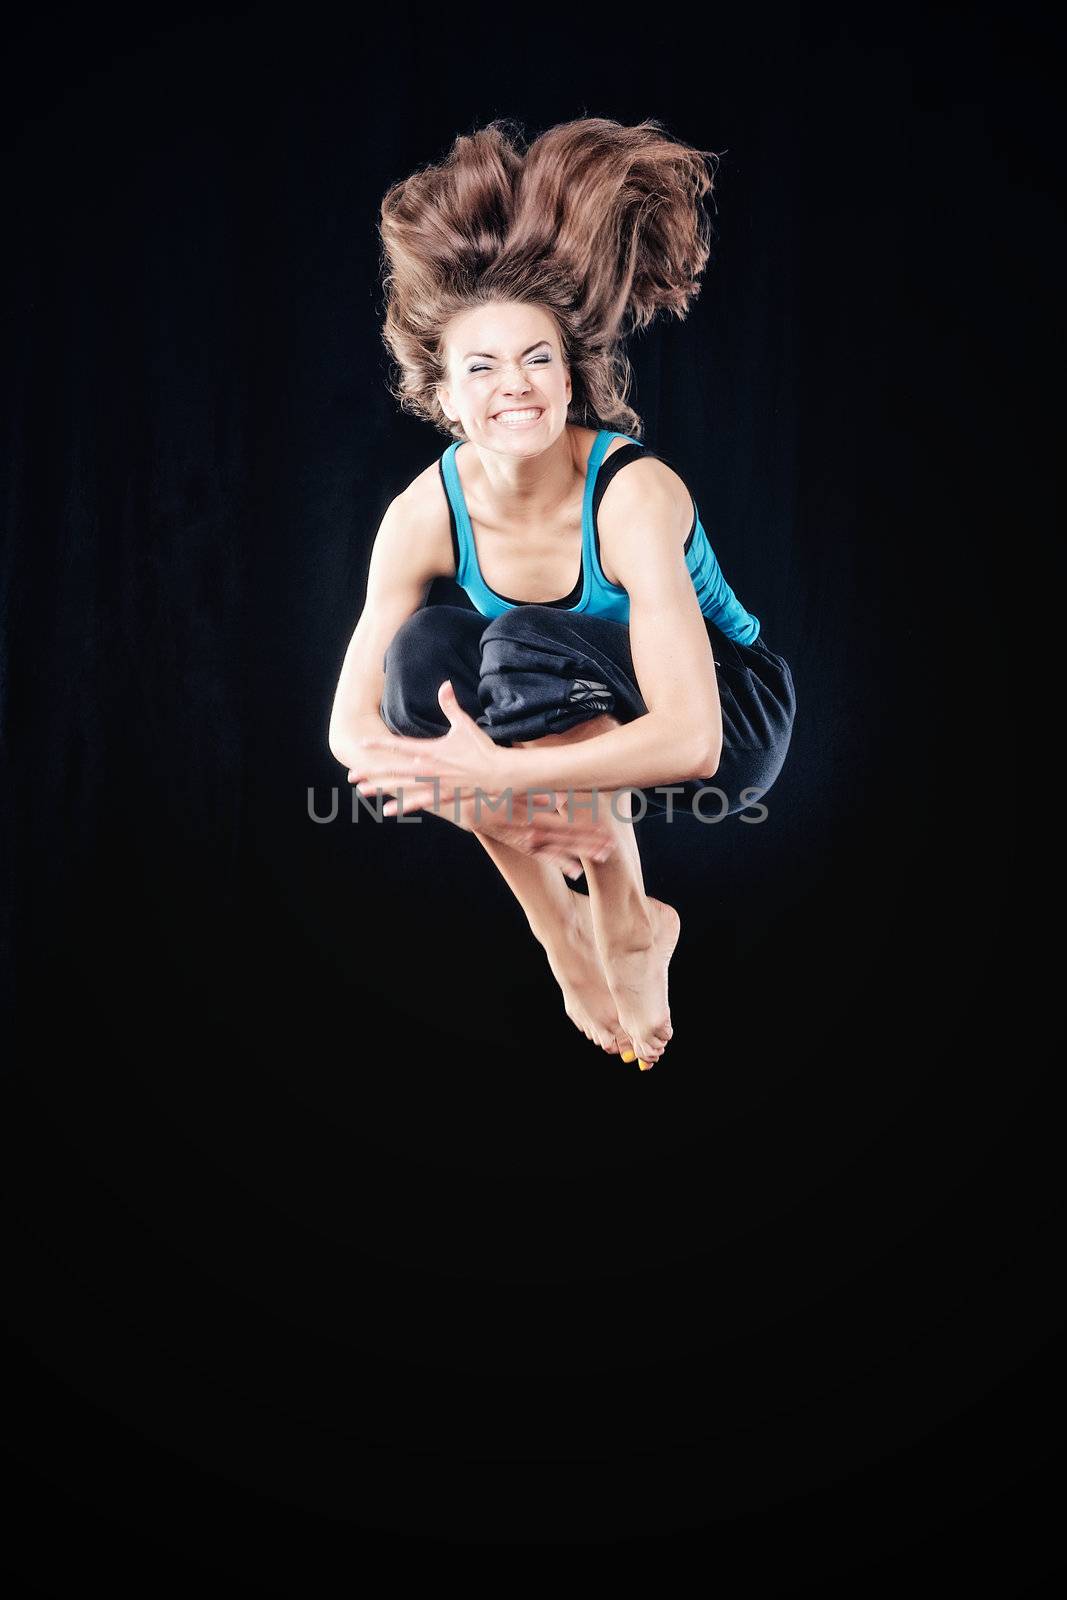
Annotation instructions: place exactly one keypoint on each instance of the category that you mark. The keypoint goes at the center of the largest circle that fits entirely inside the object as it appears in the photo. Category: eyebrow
(490, 357)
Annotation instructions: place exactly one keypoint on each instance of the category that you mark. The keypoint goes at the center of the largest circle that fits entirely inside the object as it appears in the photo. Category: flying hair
(599, 223)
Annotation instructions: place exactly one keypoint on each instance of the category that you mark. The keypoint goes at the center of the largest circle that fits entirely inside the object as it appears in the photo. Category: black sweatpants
(542, 669)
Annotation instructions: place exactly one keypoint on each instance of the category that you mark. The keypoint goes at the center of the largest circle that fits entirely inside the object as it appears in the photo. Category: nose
(516, 382)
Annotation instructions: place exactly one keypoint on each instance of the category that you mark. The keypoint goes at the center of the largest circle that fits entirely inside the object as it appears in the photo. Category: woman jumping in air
(513, 278)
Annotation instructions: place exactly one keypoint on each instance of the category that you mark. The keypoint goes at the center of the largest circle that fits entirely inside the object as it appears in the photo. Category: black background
(329, 1238)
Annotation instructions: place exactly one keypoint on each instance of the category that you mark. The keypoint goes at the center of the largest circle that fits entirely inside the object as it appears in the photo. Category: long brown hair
(599, 223)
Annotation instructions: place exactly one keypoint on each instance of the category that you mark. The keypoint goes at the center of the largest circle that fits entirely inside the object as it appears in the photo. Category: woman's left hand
(464, 759)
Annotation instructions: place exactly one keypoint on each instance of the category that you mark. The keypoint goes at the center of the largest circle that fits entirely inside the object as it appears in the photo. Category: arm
(401, 570)
(403, 563)
(680, 736)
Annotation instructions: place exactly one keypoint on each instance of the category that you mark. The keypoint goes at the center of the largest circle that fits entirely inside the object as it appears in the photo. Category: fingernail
(646, 1066)
(629, 1055)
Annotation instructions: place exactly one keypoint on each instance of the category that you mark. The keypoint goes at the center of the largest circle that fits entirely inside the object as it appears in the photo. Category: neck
(530, 489)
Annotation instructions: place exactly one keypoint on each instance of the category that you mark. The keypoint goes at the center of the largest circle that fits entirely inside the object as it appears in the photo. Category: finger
(573, 866)
(585, 826)
(389, 759)
(420, 793)
(455, 804)
(549, 850)
(410, 802)
(568, 864)
(549, 842)
(397, 745)
(577, 836)
(369, 763)
(389, 783)
(417, 778)
(446, 699)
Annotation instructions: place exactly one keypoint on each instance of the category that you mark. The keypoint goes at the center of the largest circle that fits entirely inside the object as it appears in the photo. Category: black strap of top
(610, 466)
(451, 513)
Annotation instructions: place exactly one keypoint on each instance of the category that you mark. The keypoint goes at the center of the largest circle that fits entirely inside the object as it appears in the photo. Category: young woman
(605, 653)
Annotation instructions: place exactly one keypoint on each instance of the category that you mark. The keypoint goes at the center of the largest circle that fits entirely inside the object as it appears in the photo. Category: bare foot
(638, 983)
(576, 967)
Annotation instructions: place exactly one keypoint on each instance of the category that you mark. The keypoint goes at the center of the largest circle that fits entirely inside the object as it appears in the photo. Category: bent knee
(525, 622)
(416, 634)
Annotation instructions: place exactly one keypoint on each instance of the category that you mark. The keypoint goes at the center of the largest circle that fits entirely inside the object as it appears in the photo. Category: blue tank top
(593, 593)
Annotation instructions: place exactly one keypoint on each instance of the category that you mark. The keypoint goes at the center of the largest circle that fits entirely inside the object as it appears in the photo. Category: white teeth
(511, 419)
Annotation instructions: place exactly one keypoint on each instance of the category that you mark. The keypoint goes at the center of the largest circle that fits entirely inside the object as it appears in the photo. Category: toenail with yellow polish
(628, 1055)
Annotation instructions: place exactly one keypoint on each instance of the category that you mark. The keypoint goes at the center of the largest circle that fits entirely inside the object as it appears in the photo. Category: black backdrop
(326, 1230)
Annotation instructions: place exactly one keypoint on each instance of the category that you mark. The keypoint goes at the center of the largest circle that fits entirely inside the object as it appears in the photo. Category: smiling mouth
(525, 416)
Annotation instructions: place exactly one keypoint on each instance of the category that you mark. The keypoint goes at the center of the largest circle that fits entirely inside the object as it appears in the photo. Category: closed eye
(537, 360)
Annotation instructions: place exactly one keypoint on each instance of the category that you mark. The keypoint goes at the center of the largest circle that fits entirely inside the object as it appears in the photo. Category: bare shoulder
(642, 477)
(422, 513)
(645, 485)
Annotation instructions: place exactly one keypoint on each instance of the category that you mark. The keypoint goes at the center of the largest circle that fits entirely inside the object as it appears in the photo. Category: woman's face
(503, 361)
